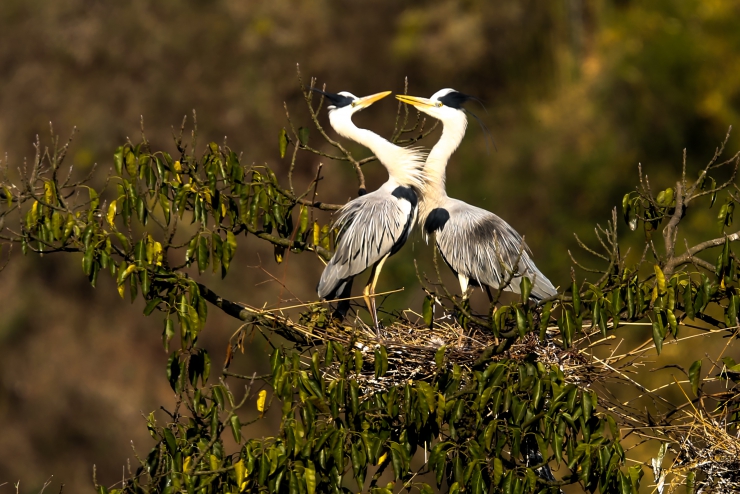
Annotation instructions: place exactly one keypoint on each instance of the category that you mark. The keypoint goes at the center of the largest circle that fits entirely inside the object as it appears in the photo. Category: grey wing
(478, 244)
(371, 227)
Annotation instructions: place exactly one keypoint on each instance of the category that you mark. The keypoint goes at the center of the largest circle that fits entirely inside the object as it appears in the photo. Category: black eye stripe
(454, 99)
(337, 100)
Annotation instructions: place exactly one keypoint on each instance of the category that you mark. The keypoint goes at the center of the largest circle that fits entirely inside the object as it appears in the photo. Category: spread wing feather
(370, 227)
(477, 243)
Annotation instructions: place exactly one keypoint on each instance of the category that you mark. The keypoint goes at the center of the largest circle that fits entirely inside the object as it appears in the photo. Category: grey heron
(373, 226)
(479, 247)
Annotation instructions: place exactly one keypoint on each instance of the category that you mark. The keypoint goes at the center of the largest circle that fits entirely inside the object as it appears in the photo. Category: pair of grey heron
(480, 248)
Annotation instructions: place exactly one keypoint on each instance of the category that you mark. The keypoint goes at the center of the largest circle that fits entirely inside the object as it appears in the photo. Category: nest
(411, 346)
(707, 455)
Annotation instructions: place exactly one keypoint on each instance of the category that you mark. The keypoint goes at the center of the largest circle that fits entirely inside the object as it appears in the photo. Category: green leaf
(658, 332)
(173, 372)
(695, 376)
(498, 470)
(217, 250)
(636, 474)
(576, 298)
(151, 305)
(586, 405)
(521, 322)
(381, 362)
(309, 475)
(168, 332)
(357, 465)
(397, 456)
(660, 279)
(525, 288)
(439, 357)
(558, 445)
(236, 427)
(724, 218)
(169, 439)
(118, 159)
(303, 135)
(626, 207)
(202, 256)
(690, 482)
(427, 311)
(429, 394)
(283, 142)
(688, 301)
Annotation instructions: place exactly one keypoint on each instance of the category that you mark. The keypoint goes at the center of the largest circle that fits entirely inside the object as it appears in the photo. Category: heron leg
(369, 304)
(369, 292)
(488, 292)
(464, 285)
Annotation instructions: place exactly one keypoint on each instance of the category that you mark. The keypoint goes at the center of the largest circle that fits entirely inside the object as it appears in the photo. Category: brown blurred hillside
(577, 93)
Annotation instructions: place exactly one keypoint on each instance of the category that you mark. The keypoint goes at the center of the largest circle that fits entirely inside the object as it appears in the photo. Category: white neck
(453, 131)
(404, 165)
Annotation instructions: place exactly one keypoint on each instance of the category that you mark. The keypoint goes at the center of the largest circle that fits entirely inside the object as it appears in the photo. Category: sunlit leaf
(283, 142)
(261, 401)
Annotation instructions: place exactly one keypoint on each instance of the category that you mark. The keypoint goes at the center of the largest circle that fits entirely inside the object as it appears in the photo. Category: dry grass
(705, 454)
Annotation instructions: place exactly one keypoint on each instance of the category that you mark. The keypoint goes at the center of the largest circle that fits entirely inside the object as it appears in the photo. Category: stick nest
(411, 346)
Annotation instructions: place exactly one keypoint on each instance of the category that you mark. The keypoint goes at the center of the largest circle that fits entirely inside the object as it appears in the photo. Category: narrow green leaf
(202, 256)
(169, 439)
(151, 305)
(427, 311)
(309, 475)
(657, 334)
(118, 159)
(236, 428)
(283, 142)
(168, 332)
(695, 376)
(439, 357)
(397, 460)
(576, 299)
(525, 288)
(521, 322)
(498, 470)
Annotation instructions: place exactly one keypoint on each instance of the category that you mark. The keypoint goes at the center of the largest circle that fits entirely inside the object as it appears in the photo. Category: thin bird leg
(488, 292)
(366, 297)
(369, 292)
(464, 280)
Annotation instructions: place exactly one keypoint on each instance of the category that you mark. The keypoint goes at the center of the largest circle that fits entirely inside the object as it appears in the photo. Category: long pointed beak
(366, 101)
(414, 100)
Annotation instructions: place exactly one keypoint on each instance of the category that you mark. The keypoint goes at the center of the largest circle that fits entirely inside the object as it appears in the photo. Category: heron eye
(439, 105)
(354, 103)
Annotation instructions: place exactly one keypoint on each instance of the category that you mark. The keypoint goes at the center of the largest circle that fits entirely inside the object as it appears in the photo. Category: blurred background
(577, 93)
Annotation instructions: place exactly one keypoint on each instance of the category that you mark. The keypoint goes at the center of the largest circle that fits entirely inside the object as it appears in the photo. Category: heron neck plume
(404, 165)
(453, 131)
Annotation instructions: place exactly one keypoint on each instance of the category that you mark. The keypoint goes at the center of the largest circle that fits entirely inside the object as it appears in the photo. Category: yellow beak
(369, 100)
(414, 100)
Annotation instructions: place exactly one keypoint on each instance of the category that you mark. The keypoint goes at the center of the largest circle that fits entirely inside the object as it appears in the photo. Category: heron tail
(542, 288)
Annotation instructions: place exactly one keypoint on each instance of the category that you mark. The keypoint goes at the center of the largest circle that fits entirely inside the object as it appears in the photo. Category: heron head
(446, 105)
(443, 104)
(345, 101)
